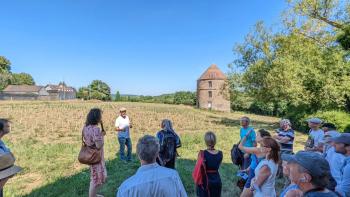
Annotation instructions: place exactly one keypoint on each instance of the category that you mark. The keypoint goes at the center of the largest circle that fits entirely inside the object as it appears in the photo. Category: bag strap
(82, 138)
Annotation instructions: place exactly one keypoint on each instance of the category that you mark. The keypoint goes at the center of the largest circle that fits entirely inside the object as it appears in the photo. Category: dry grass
(46, 139)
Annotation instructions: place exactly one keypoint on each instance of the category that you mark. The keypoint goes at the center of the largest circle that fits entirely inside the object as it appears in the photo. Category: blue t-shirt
(250, 139)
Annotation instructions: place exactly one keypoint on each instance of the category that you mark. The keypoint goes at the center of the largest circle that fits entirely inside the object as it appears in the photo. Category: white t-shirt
(317, 135)
(123, 123)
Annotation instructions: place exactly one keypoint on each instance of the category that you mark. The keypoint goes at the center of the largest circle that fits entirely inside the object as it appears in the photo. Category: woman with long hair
(94, 137)
(265, 173)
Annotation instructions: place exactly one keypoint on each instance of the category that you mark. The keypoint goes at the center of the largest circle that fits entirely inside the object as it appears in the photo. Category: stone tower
(211, 90)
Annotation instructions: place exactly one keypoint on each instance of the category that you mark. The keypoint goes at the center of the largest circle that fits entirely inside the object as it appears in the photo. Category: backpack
(167, 147)
(236, 155)
(199, 169)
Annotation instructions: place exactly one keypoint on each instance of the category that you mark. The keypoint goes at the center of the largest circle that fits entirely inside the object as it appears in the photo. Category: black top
(212, 163)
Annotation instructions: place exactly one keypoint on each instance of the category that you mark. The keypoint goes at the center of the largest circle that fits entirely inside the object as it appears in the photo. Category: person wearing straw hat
(123, 126)
(7, 169)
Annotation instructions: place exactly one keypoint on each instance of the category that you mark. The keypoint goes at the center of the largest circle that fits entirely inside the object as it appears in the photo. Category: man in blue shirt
(250, 140)
(342, 146)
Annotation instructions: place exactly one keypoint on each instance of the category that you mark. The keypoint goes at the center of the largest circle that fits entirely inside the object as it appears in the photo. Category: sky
(141, 47)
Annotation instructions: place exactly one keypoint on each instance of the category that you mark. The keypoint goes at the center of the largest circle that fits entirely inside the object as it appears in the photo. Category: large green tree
(299, 66)
(22, 79)
(96, 90)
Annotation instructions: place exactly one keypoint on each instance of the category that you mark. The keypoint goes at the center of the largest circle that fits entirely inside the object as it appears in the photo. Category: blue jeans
(122, 142)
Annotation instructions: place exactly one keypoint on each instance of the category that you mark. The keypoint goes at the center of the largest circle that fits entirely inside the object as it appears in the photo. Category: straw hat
(122, 109)
(7, 167)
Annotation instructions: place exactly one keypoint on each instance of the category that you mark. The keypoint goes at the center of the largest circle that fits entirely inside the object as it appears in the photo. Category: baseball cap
(314, 163)
(343, 138)
(315, 120)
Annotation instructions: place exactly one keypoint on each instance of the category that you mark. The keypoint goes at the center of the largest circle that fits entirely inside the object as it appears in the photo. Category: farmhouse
(32, 92)
(212, 90)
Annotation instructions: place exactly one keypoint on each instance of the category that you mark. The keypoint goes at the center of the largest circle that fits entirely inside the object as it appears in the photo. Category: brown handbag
(89, 155)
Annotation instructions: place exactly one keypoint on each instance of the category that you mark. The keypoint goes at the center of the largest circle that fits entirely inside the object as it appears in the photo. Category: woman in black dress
(213, 158)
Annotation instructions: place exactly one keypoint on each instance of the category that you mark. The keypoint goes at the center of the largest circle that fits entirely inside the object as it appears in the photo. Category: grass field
(46, 138)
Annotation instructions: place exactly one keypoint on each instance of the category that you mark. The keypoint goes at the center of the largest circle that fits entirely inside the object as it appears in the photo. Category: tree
(299, 67)
(5, 65)
(186, 98)
(5, 72)
(117, 96)
(99, 90)
(22, 79)
(83, 93)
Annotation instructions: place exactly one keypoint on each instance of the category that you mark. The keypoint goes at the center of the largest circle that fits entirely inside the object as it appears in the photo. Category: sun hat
(122, 109)
(7, 167)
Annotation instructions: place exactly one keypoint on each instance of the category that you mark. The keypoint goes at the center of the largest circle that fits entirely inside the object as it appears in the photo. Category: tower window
(210, 84)
(210, 94)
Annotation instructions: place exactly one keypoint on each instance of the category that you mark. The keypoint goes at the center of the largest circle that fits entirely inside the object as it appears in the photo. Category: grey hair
(167, 125)
(148, 148)
(318, 181)
(245, 118)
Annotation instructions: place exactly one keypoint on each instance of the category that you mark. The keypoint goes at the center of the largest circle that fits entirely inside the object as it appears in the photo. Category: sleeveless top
(268, 188)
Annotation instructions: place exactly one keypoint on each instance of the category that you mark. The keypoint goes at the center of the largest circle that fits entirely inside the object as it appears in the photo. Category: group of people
(322, 169)
(157, 155)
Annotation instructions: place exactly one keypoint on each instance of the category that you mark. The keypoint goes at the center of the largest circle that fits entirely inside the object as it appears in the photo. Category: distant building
(212, 91)
(32, 92)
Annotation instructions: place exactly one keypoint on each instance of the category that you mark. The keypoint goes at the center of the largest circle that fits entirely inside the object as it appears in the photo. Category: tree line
(100, 90)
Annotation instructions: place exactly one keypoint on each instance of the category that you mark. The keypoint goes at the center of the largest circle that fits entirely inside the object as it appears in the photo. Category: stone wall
(218, 101)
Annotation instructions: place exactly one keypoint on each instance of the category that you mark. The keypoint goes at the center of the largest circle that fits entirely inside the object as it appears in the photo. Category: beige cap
(122, 109)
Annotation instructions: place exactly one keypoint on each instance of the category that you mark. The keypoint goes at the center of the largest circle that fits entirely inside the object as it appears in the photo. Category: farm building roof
(213, 72)
(59, 88)
(22, 88)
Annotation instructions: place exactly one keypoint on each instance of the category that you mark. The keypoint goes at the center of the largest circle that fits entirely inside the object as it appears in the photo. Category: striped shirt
(288, 146)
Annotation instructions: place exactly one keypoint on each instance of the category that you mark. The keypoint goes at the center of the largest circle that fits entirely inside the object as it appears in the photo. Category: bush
(339, 118)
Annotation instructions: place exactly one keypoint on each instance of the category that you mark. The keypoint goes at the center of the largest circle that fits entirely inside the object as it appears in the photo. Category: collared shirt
(336, 162)
(344, 187)
(153, 180)
(3, 148)
(123, 123)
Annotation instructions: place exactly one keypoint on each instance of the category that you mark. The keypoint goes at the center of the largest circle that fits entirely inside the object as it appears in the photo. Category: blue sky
(137, 47)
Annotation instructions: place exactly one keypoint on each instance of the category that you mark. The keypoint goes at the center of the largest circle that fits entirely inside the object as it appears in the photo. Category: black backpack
(167, 147)
(236, 155)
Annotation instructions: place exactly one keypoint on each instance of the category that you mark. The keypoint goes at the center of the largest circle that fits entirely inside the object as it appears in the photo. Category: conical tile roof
(213, 73)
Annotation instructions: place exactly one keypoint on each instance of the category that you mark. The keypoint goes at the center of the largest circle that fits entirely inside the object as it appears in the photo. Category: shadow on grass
(118, 171)
(228, 122)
